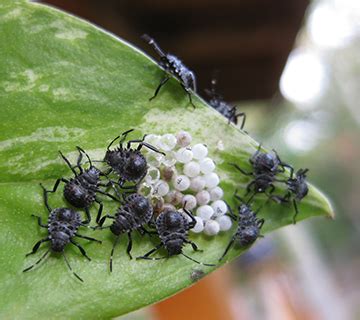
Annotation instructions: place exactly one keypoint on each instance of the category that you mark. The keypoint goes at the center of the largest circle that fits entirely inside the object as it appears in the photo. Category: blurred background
(294, 67)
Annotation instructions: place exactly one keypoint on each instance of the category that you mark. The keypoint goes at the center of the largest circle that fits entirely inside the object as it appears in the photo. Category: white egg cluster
(185, 177)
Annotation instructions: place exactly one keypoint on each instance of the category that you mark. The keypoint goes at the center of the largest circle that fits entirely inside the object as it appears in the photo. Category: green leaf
(64, 82)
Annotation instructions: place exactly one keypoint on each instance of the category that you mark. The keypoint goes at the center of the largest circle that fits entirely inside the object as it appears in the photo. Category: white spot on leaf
(50, 134)
(12, 14)
(23, 81)
(71, 34)
(44, 88)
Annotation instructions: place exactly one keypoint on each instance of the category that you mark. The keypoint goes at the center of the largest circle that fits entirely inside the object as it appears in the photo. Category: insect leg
(37, 262)
(194, 246)
(145, 231)
(189, 95)
(37, 245)
(260, 223)
(68, 163)
(284, 165)
(243, 115)
(227, 248)
(107, 194)
(102, 220)
(241, 170)
(45, 192)
(146, 256)
(231, 213)
(112, 251)
(296, 211)
(193, 220)
(87, 238)
(79, 159)
(40, 221)
(149, 146)
(88, 217)
(198, 262)
(248, 188)
(68, 264)
(129, 247)
(81, 249)
(99, 211)
(162, 82)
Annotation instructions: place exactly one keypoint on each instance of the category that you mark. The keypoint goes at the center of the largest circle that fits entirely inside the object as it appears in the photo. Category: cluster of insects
(126, 166)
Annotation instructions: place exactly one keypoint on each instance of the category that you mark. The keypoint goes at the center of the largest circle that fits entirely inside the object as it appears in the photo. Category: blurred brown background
(248, 41)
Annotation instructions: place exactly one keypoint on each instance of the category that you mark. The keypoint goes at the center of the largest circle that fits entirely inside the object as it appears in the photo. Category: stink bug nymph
(297, 189)
(81, 190)
(249, 226)
(175, 67)
(128, 163)
(62, 226)
(172, 228)
(133, 214)
(219, 104)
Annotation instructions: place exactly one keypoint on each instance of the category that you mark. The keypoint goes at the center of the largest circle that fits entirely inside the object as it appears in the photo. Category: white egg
(211, 227)
(200, 151)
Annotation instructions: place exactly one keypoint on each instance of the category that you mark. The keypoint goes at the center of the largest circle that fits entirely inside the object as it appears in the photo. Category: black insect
(228, 111)
(265, 168)
(129, 164)
(132, 215)
(265, 163)
(81, 190)
(249, 226)
(175, 67)
(172, 228)
(62, 226)
(297, 189)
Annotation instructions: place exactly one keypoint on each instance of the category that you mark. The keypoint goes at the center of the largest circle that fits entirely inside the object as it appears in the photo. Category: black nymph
(265, 163)
(62, 226)
(218, 103)
(133, 214)
(297, 189)
(81, 190)
(128, 163)
(248, 229)
(173, 228)
(265, 167)
(175, 67)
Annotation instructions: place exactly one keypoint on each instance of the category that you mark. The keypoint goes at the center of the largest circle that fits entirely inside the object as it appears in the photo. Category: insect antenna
(87, 156)
(108, 147)
(37, 262)
(155, 46)
(198, 262)
(68, 264)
